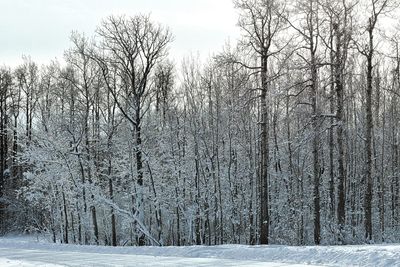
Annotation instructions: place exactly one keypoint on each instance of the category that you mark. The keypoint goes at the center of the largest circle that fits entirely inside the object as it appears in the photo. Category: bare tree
(340, 25)
(261, 22)
(130, 49)
(376, 9)
(5, 88)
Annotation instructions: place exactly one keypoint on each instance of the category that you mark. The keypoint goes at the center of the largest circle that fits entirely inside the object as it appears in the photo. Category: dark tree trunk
(264, 151)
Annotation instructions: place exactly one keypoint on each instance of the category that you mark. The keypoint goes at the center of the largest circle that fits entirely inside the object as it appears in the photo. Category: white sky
(41, 28)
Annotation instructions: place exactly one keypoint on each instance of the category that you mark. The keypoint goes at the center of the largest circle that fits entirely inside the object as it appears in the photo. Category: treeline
(289, 136)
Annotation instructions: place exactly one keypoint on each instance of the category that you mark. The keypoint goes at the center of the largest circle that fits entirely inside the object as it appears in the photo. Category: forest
(288, 135)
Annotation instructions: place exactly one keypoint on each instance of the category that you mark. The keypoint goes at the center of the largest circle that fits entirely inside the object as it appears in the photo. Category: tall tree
(261, 22)
(340, 25)
(376, 8)
(131, 47)
(5, 88)
(310, 34)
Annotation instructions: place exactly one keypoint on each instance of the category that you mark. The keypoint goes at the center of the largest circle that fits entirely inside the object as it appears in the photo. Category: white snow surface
(32, 252)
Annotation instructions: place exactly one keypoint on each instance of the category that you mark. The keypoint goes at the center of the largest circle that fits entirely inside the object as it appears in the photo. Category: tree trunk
(264, 151)
(368, 141)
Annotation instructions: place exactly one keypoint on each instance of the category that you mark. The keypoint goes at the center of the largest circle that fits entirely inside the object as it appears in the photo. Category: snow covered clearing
(22, 251)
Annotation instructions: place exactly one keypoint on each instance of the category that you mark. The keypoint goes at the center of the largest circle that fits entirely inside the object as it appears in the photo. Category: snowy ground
(30, 252)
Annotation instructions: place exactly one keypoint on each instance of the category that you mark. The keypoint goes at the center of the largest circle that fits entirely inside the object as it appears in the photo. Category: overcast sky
(41, 28)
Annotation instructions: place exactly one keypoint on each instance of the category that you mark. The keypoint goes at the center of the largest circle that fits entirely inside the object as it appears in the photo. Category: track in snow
(30, 252)
(30, 257)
